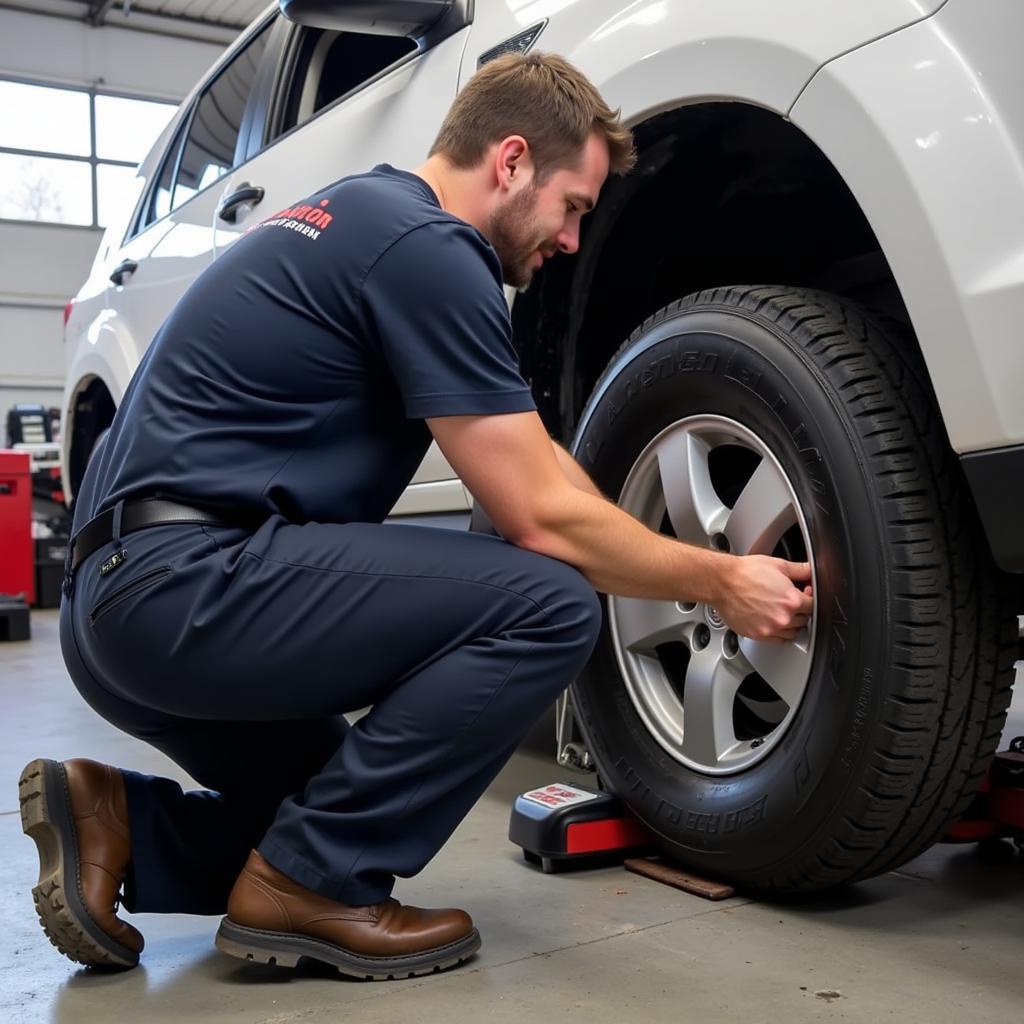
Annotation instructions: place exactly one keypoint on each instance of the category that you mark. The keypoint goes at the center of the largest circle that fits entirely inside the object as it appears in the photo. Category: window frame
(93, 159)
(284, 80)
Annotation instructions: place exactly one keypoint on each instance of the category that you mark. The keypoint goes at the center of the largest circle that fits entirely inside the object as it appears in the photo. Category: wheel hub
(716, 702)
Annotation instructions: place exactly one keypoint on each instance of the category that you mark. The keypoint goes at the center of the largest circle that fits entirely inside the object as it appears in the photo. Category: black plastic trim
(386, 17)
(519, 43)
(996, 479)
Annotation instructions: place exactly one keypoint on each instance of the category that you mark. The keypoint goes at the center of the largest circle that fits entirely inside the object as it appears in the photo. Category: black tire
(917, 633)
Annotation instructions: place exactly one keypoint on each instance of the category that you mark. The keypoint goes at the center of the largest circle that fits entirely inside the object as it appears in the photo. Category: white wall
(62, 50)
(42, 266)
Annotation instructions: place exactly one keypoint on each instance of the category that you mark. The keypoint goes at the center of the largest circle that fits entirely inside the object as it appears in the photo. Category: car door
(339, 103)
(171, 239)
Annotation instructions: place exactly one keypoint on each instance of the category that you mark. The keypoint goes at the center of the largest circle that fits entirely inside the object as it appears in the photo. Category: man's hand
(760, 599)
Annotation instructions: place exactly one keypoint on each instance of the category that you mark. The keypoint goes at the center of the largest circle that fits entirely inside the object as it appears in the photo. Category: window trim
(174, 147)
(93, 159)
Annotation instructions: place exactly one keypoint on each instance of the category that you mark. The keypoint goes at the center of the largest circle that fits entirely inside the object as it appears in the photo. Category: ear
(513, 163)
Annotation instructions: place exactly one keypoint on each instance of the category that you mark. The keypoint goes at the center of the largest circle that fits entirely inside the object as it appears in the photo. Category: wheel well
(92, 412)
(723, 193)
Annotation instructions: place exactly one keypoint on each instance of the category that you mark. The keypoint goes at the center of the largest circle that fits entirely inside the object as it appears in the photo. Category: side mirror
(376, 17)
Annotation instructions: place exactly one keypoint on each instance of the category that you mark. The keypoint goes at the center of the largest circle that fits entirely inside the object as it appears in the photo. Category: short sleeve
(436, 308)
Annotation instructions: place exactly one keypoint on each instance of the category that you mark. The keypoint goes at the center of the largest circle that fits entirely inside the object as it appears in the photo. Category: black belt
(137, 515)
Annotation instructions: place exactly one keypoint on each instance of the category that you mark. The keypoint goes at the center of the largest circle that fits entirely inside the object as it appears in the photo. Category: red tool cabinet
(17, 572)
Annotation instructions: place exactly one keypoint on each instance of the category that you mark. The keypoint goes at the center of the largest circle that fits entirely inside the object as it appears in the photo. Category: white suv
(823, 247)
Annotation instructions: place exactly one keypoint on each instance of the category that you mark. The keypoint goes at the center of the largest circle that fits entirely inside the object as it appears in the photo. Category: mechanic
(232, 588)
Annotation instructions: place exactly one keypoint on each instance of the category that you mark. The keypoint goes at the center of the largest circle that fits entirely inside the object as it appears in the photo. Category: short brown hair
(542, 97)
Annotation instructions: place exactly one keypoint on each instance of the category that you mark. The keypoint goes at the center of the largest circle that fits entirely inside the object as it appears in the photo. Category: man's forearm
(574, 471)
(619, 555)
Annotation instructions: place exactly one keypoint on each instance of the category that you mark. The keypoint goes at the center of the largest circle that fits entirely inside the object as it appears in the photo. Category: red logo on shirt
(307, 220)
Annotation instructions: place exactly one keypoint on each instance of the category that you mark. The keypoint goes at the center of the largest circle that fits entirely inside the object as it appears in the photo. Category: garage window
(68, 156)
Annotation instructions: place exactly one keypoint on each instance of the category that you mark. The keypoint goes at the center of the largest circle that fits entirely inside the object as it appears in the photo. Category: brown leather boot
(77, 814)
(272, 919)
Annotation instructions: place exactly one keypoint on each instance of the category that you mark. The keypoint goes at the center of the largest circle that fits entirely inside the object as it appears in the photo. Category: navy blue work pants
(236, 654)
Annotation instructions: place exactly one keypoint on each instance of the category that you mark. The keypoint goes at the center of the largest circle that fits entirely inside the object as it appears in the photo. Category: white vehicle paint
(914, 103)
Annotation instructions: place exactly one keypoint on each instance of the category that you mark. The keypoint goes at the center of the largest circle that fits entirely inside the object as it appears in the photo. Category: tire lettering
(656, 370)
(836, 654)
(746, 377)
(855, 737)
(709, 823)
(692, 361)
(837, 649)
(802, 772)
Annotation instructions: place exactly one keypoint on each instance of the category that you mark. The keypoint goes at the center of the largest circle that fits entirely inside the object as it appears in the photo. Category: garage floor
(940, 940)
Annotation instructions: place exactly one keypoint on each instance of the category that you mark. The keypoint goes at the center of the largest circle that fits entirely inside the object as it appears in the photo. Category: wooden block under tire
(679, 879)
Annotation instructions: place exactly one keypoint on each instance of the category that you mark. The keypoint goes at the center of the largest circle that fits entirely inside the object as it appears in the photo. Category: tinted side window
(160, 201)
(212, 135)
(331, 64)
(209, 151)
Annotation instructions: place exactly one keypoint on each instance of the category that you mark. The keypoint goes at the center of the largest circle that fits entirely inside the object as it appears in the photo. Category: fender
(656, 54)
(939, 176)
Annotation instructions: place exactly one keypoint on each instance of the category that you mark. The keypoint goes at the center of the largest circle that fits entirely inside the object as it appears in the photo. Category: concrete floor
(940, 940)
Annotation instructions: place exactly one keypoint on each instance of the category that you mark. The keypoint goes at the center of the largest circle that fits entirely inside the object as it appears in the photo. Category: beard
(513, 233)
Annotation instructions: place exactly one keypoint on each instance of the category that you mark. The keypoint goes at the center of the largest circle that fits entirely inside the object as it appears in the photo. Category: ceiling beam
(138, 21)
(98, 11)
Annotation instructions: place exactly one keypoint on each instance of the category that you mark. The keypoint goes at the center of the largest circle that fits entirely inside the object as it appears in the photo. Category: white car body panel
(655, 54)
(940, 177)
(938, 174)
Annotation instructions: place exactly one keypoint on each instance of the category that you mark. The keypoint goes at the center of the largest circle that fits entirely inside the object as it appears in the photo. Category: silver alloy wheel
(694, 717)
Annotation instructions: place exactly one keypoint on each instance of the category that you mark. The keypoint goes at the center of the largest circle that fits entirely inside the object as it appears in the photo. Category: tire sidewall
(718, 360)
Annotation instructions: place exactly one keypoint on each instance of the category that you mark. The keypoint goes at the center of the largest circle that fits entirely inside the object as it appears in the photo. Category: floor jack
(997, 812)
(565, 827)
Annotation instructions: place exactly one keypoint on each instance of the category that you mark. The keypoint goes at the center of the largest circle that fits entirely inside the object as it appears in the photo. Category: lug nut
(686, 606)
(720, 541)
(701, 637)
(731, 644)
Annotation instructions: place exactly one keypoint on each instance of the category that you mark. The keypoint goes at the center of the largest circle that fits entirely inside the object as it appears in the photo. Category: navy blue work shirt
(294, 375)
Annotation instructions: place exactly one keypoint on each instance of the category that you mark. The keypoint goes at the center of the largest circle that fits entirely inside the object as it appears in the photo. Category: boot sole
(47, 819)
(286, 949)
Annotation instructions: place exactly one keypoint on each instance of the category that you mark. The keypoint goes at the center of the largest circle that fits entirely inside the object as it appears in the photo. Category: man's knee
(575, 607)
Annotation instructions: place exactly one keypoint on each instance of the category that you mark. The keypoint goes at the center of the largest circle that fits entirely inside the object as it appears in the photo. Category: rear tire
(916, 631)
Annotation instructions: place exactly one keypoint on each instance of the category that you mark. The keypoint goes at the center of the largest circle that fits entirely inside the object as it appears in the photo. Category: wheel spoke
(711, 685)
(642, 624)
(762, 513)
(694, 509)
(784, 667)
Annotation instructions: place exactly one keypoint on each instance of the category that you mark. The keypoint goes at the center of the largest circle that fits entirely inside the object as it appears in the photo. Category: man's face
(537, 221)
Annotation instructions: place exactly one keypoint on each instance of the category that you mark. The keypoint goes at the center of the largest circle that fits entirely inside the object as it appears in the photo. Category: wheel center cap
(714, 619)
